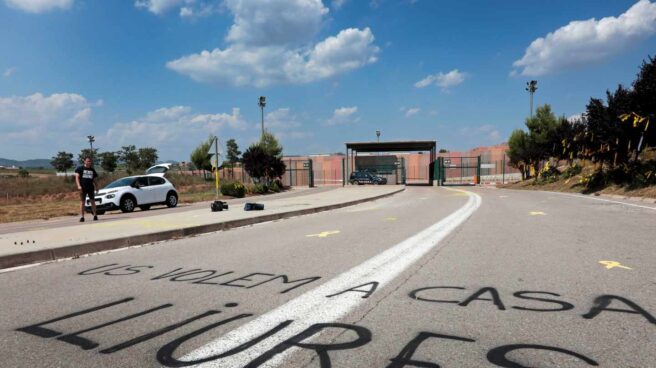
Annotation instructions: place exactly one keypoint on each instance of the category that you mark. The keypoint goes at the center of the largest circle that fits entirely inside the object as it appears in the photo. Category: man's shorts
(87, 192)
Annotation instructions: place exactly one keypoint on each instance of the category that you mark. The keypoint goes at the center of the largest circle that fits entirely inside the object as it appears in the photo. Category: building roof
(397, 146)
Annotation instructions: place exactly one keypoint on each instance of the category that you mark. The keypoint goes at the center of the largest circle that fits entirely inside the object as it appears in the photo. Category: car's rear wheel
(145, 207)
(128, 204)
(171, 199)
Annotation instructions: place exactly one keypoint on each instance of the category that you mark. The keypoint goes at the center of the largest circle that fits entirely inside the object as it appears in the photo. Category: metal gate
(298, 172)
(395, 174)
(457, 170)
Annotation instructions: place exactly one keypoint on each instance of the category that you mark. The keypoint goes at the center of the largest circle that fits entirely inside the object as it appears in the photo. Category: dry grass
(572, 185)
(67, 204)
(48, 196)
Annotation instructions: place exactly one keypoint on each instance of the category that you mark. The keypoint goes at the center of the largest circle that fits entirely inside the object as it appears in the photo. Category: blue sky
(167, 73)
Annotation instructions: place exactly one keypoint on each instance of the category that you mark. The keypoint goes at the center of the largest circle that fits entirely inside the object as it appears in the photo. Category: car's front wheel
(171, 199)
(128, 204)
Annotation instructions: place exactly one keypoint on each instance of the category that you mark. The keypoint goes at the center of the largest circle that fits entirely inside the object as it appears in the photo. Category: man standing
(85, 177)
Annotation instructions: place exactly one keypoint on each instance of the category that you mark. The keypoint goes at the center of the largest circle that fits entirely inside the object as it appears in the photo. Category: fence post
(503, 175)
(311, 172)
(478, 170)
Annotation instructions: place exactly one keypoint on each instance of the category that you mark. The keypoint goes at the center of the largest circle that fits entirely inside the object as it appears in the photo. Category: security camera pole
(531, 87)
(262, 103)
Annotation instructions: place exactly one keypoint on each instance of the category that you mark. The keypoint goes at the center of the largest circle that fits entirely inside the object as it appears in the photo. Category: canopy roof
(398, 146)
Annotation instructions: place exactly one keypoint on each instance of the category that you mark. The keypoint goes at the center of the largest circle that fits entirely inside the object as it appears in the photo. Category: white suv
(135, 191)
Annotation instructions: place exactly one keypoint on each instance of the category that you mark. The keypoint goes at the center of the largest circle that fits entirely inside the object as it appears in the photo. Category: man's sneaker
(81, 219)
(95, 218)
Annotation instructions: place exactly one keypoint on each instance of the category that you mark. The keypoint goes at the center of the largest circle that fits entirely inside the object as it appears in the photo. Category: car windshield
(157, 170)
(125, 182)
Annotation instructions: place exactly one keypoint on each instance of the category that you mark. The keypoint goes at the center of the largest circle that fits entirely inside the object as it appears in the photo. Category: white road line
(314, 307)
(601, 199)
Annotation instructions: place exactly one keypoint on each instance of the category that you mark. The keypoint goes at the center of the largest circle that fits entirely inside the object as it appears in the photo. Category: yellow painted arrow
(323, 234)
(612, 264)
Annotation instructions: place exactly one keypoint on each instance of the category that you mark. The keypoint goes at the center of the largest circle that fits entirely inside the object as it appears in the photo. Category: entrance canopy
(401, 146)
(353, 148)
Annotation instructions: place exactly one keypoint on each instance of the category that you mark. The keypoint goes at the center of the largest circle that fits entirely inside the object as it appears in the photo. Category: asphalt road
(429, 276)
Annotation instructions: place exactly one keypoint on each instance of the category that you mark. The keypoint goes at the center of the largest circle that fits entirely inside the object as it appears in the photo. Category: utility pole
(262, 103)
(531, 87)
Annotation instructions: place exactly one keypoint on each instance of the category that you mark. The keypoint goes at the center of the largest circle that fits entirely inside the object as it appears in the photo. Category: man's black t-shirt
(86, 176)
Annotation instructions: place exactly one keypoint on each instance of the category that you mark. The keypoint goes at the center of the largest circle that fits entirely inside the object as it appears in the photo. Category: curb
(627, 198)
(76, 250)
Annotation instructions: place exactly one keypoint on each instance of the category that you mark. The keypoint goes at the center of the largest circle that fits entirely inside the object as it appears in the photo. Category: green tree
(86, 152)
(232, 151)
(232, 155)
(644, 88)
(147, 157)
(109, 161)
(270, 144)
(129, 156)
(542, 129)
(200, 156)
(519, 151)
(62, 162)
(262, 165)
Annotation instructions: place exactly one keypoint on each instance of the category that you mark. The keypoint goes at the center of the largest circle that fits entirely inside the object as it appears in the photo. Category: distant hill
(41, 162)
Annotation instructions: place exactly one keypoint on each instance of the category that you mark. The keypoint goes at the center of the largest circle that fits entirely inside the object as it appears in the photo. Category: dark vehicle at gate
(365, 177)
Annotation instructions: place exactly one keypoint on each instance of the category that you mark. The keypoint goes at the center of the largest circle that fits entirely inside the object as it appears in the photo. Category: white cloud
(9, 72)
(272, 43)
(587, 42)
(282, 118)
(39, 6)
(285, 125)
(160, 7)
(412, 111)
(338, 3)
(343, 115)
(444, 81)
(488, 133)
(282, 22)
(57, 111)
(172, 125)
(36, 123)
(200, 11)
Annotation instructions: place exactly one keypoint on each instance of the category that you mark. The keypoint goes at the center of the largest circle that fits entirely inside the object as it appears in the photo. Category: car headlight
(110, 196)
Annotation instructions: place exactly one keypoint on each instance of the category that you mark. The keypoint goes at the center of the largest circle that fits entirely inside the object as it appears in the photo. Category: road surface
(427, 277)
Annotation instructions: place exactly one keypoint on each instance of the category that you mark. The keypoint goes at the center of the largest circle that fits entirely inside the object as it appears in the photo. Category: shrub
(594, 181)
(572, 171)
(275, 188)
(259, 189)
(23, 173)
(233, 189)
(279, 183)
(548, 174)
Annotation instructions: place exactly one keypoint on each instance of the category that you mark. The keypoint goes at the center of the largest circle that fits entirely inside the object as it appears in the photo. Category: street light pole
(91, 140)
(262, 103)
(531, 87)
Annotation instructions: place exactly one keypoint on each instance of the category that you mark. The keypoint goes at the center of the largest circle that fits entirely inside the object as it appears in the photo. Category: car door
(157, 188)
(143, 192)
